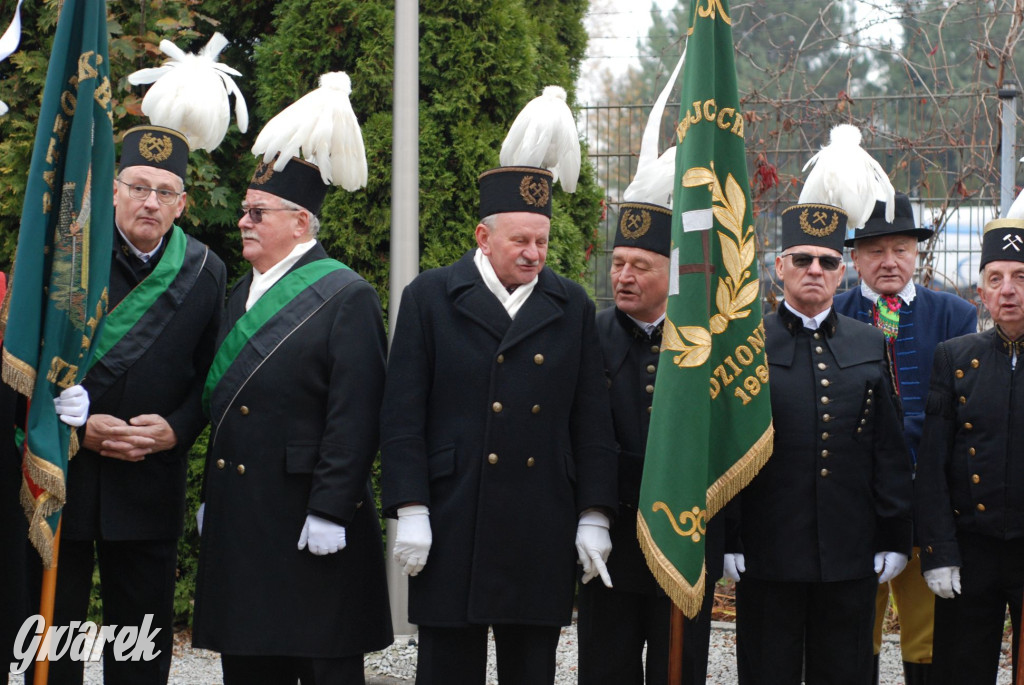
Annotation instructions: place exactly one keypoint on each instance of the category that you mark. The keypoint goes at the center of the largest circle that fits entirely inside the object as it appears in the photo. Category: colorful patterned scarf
(887, 316)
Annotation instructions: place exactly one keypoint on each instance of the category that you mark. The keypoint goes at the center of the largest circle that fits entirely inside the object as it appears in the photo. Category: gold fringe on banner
(688, 598)
(39, 533)
(741, 473)
(73, 445)
(18, 374)
(47, 477)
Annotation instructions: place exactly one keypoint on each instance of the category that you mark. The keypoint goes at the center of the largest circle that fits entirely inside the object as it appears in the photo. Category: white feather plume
(846, 176)
(654, 180)
(9, 43)
(323, 127)
(1016, 210)
(544, 135)
(190, 94)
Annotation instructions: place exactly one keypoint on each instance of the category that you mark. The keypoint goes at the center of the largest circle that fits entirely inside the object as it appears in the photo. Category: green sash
(280, 295)
(136, 303)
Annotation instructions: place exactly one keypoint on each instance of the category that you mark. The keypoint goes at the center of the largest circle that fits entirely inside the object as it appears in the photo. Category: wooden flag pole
(46, 602)
(675, 647)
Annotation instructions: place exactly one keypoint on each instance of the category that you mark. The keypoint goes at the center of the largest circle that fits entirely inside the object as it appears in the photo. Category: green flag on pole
(59, 285)
(711, 428)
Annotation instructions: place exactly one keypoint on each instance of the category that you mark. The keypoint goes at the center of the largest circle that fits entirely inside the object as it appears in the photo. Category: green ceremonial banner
(711, 428)
(58, 292)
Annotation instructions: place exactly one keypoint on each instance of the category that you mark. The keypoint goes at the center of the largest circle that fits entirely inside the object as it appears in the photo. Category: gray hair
(490, 221)
(314, 223)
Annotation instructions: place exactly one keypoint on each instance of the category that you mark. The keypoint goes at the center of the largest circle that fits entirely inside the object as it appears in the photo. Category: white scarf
(511, 302)
(261, 282)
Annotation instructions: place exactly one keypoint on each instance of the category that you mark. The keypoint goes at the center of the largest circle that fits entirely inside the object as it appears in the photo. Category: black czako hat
(902, 223)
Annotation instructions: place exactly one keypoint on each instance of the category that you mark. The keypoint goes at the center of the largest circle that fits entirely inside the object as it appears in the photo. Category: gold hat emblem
(820, 218)
(634, 223)
(155, 148)
(535, 193)
(263, 173)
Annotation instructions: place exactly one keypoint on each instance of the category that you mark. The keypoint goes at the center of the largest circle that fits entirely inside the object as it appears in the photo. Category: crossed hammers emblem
(1013, 241)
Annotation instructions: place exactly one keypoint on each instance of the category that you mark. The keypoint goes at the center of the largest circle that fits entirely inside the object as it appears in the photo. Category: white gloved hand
(593, 545)
(72, 405)
(733, 566)
(944, 581)
(412, 538)
(199, 517)
(323, 536)
(888, 565)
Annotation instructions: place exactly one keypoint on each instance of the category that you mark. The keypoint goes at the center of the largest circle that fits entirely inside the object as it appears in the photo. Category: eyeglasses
(256, 213)
(802, 260)
(141, 192)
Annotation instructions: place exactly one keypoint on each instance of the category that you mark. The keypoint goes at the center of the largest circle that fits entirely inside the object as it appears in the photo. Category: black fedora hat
(902, 223)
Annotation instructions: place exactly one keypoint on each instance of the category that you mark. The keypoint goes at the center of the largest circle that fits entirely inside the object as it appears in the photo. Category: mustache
(251, 235)
(523, 261)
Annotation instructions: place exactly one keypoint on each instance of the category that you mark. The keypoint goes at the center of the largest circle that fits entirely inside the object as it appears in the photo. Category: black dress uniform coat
(971, 463)
(298, 437)
(502, 428)
(838, 486)
(111, 499)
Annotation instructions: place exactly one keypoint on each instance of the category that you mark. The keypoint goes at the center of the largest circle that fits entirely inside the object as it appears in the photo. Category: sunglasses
(802, 260)
(256, 213)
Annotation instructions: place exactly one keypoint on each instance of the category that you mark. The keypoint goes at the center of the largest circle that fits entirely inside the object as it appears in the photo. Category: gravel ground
(397, 664)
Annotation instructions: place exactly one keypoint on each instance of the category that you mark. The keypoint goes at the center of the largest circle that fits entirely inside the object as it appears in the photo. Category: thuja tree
(480, 62)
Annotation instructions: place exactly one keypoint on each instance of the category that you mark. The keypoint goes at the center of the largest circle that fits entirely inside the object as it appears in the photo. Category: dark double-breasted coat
(298, 437)
(502, 428)
(116, 500)
(838, 486)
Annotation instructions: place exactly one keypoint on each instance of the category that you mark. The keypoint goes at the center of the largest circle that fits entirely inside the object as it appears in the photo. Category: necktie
(887, 316)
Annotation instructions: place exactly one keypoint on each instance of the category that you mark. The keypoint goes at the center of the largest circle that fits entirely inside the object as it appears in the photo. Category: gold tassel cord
(18, 374)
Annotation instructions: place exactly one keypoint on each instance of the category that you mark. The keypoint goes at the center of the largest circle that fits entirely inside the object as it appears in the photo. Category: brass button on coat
(241, 469)
(972, 451)
(824, 382)
(824, 399)
(530, 462)
(824, 454)
(649, 410)
(492, 458)
(818, 349)
(500, 359)
(496, 407)
(243, 410)
(981, 507)
(651, 368)
(974, 363)
(655, 349)
(822, 366)
(538, 359)
(824, 436)
(535, 409)
(959, 373)
(220, 463)
(824, 473)
(649, 389)
(963, 400)
(968, 426)
(826, 417)
(975, 479)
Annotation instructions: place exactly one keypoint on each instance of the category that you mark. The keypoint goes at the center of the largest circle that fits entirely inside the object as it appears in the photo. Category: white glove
(733, 566)
(323, 536)
(888, 565)
(412, 538)
(72, 405)
(199, 517)
(944, 581)
(593, 545)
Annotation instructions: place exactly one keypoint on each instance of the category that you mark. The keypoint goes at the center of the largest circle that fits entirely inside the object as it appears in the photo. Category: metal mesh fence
(943, 151)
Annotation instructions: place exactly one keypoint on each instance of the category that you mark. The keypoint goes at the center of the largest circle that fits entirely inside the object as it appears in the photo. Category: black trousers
(286, 670)
(776, 620)
(969, 627)
(137, 578)
(526, 655)
(613, 627)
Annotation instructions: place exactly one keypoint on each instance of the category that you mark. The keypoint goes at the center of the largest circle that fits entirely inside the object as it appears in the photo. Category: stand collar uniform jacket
(838, 486)
(501, 426)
